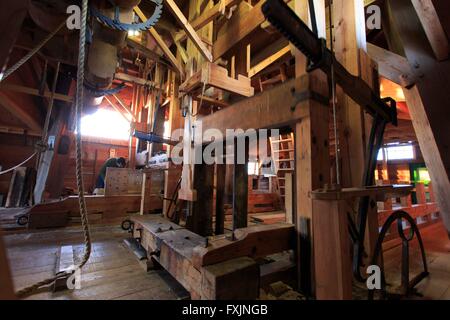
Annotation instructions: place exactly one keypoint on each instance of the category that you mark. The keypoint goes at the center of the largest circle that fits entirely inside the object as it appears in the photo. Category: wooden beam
(392, 66)
(429, 115)
(350, 38)
(220, 199)
(136, 80)
(35, 92)
(268, 61)
(255, 242)
(132, 43)
(212, 75)
(12, 15)
(179, 16)
(201, 219)
(273, 108)
(238, 30)
(311, 157)
(240, 186)
(206, 17)
(433, 28)
(331, 250)
(18, 111)
(161, 44)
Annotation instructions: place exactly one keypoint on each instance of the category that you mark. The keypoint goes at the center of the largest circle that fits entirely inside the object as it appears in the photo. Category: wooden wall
(95, 152)
(13, 150)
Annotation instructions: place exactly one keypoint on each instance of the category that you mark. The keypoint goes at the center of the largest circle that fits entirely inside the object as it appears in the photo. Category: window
(397, 152)
(105, 123)
(253, 169)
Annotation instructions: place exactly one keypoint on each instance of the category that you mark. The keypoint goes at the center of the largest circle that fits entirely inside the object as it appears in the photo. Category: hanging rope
(19, 165)
(333, 97)
(27, 57)
(82, 202)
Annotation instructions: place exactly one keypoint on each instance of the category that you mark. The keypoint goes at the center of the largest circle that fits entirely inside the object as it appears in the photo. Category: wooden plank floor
(113, 272)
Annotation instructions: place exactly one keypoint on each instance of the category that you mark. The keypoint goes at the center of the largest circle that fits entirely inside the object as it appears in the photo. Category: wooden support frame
(206, 17)
(35, 92)
(212, 75)
(273, 108)
(433, 28)
(238, 31)
(240, 185)
(332, 241)
(30, 121)
(429, 116)
(179, 16)
(268, 61)
(178, 67)
(392, 66)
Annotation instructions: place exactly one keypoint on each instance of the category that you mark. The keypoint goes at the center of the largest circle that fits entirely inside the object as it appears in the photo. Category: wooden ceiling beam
(392, 66)
(35, 92)
(206, 17)
(179, 16)
(238, 30)
(160, 42)
(433, 28)
(18, 111)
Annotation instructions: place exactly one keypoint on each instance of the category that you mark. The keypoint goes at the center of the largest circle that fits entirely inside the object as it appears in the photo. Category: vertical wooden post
(201, 219)
(173, 174)
(240, 188)
(311, 156)
(220, 198)
(349, 37)
(7, 288)
(332, 243)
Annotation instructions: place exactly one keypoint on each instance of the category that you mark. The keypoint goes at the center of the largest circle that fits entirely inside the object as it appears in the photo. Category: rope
(27, 57)
(333, 96)
(19, 165)
(82, 202)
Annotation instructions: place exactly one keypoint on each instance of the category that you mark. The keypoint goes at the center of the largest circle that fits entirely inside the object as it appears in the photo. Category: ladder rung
(282, 140)
(287, 150)
(286, 169)
(285, 160)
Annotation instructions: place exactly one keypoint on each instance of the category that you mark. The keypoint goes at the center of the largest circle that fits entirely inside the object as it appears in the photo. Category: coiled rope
(27, 57)
(82, 202)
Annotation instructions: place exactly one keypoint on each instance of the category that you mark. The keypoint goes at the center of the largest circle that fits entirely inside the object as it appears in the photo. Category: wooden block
(255, 241)
(333, 269)
(236, 279)
(212, 75)
(64, 263)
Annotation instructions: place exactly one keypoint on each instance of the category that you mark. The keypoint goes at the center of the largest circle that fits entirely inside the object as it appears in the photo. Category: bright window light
(380, 156)
(400, 152)
(105, 124)
(253, 168)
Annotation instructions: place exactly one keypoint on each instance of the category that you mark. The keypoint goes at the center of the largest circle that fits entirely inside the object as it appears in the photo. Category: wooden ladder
(283, 159)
